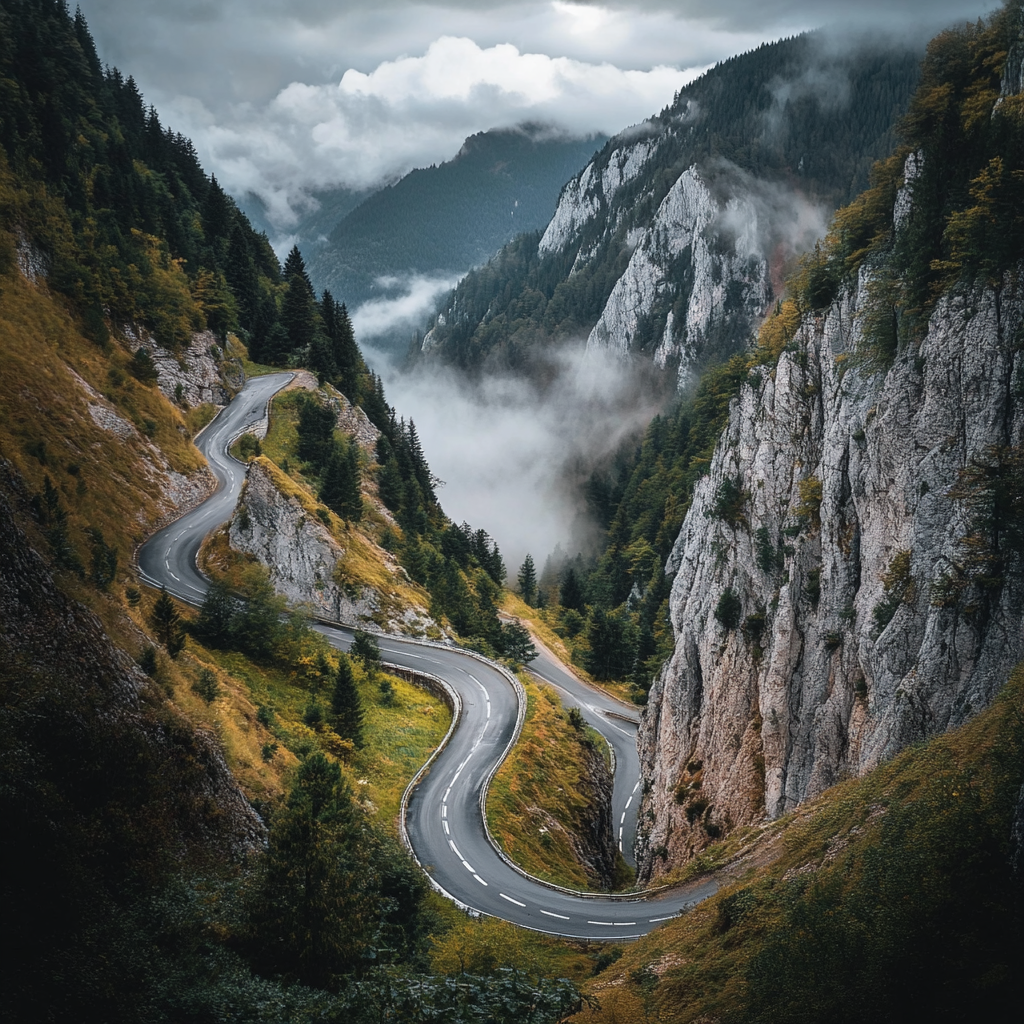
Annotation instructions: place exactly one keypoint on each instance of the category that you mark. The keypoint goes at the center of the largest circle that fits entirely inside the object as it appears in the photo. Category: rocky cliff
(821, 606)
(715, 281)
(320, 565)
(665, 246)
(848, 579)
(197, 373)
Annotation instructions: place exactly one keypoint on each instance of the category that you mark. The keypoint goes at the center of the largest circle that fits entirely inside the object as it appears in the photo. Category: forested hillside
(442, 220)
(139, 740)
(789, 124)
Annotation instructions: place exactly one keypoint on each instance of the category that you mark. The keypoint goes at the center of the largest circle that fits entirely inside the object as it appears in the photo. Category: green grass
(397, 738)
(537, 803)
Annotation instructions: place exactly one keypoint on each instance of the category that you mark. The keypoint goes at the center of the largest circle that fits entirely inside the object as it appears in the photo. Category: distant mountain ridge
(666, 244)
(445, 219)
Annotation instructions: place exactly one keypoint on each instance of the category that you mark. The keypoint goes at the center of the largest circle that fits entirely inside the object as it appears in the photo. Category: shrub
(809, 509)
(729, 501)
(729, 609)
(147, 660)
(206, 686)
(767, 553)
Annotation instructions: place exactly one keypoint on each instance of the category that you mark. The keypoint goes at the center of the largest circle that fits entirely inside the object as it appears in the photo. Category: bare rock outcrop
(307, 562)
(197, 373)
(821, 615)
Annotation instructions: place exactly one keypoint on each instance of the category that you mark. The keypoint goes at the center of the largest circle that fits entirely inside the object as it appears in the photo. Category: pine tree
(298, 313)
(346, 704)
(528, 580)
(295, 266)
(339, 486)
(316, 433)
(389, 485)
(367, 650)
(218, 214)
(214, 625)
(166, 623)
(570, 594)
(345, 354)
(313, 915)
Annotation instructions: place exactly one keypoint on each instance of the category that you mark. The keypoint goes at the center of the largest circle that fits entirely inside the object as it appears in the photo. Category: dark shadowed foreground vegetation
(889, 898)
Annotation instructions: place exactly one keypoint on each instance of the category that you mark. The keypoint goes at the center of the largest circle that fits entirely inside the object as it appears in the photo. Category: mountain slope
(440, 221)
(670, 242)
(849, 578)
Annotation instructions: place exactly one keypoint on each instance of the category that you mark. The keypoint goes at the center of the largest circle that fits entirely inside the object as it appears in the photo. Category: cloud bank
(409, 112)
(513, 452)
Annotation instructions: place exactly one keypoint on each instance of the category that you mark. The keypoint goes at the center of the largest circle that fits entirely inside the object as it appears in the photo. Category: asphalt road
(617, 722)
(444, 820)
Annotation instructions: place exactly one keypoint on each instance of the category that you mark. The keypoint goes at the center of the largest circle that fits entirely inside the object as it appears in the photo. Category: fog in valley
(513, 451)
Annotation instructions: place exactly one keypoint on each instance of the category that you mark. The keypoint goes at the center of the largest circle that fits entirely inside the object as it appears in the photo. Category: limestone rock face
(720, 280)
(306, 562)
(199, 370)
(849, 638)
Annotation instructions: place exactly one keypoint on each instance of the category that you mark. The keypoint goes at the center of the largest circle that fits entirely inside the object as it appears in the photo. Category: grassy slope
(889, 897)
(531, 819)
(46, 428)
(364, 562)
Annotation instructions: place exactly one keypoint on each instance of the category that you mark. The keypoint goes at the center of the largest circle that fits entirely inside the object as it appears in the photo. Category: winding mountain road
(444, 821)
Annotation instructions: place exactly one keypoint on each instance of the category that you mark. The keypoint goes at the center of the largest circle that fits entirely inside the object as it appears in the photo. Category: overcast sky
(285, 96)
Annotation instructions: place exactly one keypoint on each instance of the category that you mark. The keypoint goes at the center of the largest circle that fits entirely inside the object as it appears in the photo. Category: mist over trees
(799, 112)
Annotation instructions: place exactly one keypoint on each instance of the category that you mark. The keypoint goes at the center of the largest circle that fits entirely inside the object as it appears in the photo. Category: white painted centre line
(561, 917)
(509, 898)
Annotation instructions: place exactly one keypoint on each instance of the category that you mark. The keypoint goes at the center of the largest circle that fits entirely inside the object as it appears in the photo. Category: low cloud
(416, 298)
(757, 215)
(512, 452)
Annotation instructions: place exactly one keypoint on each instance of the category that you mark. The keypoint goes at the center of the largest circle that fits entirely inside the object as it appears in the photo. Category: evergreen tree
(367, 650)
(298, 313)
(375, 404)
(570, 594)
(166, 623)
(346, 704)
(528, 580)
(321, 360)
(517, 644)
(389, 485)
(339, 485)
(54, 517)
(218, 214)
(104, 560)
(316, 433)
(295, 266)
(312, 916)
(214, 625)
(611, 645)
(344, 351)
